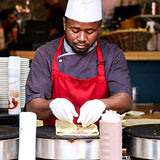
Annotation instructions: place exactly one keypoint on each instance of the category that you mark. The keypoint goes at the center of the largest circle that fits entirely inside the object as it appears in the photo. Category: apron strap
(58, 53)
(100, 61)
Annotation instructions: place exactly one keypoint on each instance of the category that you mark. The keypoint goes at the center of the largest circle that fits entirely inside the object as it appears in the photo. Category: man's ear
(64, 23)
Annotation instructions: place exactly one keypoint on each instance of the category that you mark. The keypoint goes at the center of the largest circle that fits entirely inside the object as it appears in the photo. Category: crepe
(133, 122)
(67, 128)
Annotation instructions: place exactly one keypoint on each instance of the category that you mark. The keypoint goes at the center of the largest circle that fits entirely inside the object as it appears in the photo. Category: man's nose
(82, 36)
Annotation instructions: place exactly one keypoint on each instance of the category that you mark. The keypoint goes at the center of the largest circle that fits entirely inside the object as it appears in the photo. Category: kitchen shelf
(135, 56)
(23, 54)
(147, 16)
(142, 56)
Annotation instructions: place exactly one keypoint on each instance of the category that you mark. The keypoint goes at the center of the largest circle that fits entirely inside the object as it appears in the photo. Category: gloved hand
(63, 109)
(91, 111)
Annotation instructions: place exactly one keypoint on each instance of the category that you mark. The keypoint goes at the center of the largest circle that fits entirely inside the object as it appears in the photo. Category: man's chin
(79, 51)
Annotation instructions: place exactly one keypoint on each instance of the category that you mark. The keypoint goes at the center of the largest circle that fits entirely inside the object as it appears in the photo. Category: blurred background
(133, 25)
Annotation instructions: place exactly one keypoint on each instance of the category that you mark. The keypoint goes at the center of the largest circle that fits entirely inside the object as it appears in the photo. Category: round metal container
(143, 141)
(8, 142)
(51, 146)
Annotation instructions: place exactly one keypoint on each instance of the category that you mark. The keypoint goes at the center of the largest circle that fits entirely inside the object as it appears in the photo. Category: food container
(143, 141)
(14, 85)
(8, 142)
(110, 136)
(51, 146)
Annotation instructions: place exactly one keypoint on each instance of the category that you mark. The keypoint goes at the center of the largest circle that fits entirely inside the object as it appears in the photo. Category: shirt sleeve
(39, 83)
(118, 78)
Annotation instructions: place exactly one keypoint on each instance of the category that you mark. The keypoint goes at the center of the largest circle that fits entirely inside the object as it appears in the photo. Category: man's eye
(75, 30)
(89, 31)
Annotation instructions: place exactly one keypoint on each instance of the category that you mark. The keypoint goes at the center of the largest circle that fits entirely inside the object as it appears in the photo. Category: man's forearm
(120, 102)
(40, 107)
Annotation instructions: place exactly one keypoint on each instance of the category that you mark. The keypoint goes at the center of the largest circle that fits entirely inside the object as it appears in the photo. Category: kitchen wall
(145, 76)
(37, 10)
(146, 83)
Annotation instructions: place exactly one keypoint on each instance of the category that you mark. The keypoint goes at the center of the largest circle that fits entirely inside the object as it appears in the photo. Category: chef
(77, 77)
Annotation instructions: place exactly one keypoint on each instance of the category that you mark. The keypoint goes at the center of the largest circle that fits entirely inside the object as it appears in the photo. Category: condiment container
(110, 136)
(14, 85)
(152, 43)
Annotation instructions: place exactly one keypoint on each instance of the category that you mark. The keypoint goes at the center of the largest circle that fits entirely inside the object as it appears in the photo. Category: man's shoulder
(53, 44)
(50, 47)
(110, 50)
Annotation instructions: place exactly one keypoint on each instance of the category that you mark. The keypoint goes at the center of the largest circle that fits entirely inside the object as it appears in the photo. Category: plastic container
(27, 136)
(14, 85)
(110, 136)
(152, 43)
(154, 7)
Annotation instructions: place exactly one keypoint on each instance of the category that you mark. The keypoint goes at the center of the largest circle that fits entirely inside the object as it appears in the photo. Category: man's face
(79, 35)
(45, 3)
(11, 20)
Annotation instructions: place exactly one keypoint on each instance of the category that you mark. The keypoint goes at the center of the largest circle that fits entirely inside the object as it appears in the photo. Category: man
(54, 17)
(78, 77)
(8, 23)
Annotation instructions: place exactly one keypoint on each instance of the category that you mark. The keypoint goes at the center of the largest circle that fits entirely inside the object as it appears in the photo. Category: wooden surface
(23, 54)
(138, 56)
(147, 108)
(142, 55)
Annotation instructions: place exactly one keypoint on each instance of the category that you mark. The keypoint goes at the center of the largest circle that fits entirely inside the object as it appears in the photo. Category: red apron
(77, 91)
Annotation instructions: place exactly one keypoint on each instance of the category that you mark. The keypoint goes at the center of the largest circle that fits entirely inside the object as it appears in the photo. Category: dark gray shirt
(39, 83)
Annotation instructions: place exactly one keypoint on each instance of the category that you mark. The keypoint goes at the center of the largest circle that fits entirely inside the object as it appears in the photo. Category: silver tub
(9, 149)
(65, 149)
(144, 148)
(9, 142)
(143, 141)
(51, 146)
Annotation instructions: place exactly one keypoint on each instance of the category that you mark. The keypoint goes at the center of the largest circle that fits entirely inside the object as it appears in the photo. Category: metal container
(8, 142)
(51, 146)
(143, 141)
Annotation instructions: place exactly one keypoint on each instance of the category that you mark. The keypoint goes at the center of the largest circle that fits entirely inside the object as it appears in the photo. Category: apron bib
(77, 91)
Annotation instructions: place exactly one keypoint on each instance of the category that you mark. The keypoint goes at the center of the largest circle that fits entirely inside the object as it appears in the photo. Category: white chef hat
(84, 10)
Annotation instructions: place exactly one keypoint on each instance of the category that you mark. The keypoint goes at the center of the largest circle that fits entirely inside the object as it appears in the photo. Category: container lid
(149, 131)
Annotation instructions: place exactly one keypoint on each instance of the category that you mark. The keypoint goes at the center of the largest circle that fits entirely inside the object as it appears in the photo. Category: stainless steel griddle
(143, 141)
(51, 146)
(8, 142)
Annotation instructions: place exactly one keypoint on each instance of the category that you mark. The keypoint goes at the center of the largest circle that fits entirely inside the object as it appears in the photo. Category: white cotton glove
(63, 109)
(91, 111)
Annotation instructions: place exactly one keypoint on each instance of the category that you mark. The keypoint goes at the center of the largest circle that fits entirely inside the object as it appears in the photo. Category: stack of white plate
(23, 78)
(4, 81)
